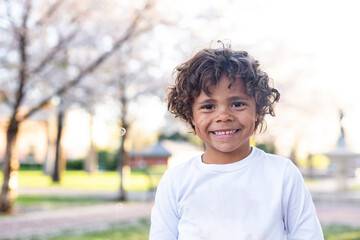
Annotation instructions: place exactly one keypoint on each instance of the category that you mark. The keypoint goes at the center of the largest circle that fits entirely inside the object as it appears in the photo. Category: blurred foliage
(268, 147)
(176, 136)
(75, 164)
(107, 160)
(318, 161)
(196, 140)
(31, 166)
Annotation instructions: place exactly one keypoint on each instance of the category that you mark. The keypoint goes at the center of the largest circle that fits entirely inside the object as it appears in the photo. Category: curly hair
(205, 69)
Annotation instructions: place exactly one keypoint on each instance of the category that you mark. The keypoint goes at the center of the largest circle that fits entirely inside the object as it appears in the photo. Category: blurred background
(74, 74)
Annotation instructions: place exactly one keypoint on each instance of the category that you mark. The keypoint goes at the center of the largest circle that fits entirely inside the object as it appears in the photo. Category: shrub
(75, 164)
(107, 161)
(30, 166)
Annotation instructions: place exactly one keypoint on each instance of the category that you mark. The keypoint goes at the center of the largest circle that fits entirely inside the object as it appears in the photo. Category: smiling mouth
(219, 133)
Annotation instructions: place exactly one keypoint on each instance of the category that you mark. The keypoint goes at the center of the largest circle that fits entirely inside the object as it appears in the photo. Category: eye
(237, 104)
(207, 107)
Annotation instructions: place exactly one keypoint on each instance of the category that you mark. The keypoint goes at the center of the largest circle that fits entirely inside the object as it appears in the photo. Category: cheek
(200, 124)
(250, 121)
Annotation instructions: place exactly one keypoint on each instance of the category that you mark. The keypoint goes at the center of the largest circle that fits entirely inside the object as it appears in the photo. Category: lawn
(106, 181)
(335, 232)
(26, 203)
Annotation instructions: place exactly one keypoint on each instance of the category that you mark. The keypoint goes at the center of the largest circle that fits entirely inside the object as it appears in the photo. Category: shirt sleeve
(301, 222)
(164, 216)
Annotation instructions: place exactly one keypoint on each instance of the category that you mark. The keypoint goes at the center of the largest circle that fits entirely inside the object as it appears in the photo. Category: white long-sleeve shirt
(261, 197)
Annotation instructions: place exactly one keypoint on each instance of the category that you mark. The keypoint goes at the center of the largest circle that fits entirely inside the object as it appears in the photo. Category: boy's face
(225, 121)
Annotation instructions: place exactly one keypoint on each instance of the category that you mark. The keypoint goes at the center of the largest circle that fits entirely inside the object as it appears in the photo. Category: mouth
(225, 132)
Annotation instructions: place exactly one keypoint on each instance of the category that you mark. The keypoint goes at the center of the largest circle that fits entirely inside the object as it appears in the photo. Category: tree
(130, 86)
(34, 58)
(57, 166)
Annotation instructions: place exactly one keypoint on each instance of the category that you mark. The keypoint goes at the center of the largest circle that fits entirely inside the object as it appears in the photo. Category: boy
(233, 190)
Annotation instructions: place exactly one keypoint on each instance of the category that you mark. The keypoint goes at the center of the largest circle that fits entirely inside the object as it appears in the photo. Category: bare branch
(91, 67)
(52, 9)
(54, 51)
(23, 57)
(57, 48)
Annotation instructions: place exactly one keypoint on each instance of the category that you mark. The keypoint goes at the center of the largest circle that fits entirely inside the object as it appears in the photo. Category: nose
(224, 115)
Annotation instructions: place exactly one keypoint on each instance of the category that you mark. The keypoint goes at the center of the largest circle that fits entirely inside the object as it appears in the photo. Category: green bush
(267, 147)
(75, 164)
(31, 166)
(107, 161)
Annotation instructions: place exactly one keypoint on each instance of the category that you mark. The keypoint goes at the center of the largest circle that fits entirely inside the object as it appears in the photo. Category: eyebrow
(233, 98)
(209, 100)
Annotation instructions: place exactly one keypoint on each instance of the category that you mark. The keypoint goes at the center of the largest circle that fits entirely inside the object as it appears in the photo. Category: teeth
(224, 132)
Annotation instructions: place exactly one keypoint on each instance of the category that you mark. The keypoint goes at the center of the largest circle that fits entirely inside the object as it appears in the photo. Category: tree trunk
(122, 152)
(10, 168)
(11, 161)
(91, 162)
(120, 167)
(58, 162)
(49, 161)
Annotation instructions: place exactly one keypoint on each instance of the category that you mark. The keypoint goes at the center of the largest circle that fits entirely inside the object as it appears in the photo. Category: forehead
(228, 85)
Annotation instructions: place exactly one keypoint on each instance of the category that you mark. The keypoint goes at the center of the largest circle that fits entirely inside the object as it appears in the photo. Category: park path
(51, 222)
(338, 214)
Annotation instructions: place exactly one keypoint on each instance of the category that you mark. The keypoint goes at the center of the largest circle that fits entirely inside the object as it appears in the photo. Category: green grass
(335, 232)
(106, 181)
(44, 202)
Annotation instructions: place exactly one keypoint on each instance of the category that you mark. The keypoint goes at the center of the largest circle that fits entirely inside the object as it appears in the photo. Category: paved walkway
(95, 217)
(338, 214)
(332, 208)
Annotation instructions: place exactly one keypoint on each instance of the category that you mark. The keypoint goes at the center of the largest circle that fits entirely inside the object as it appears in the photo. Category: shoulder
(272, 159)
(175, 177)
(183, 169)
(282, 165)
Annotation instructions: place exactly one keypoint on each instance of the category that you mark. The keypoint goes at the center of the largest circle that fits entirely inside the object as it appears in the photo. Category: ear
(192, 125)
(257, 121)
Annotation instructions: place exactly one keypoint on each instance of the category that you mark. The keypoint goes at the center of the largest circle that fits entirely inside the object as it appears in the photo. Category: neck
(210, 157)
